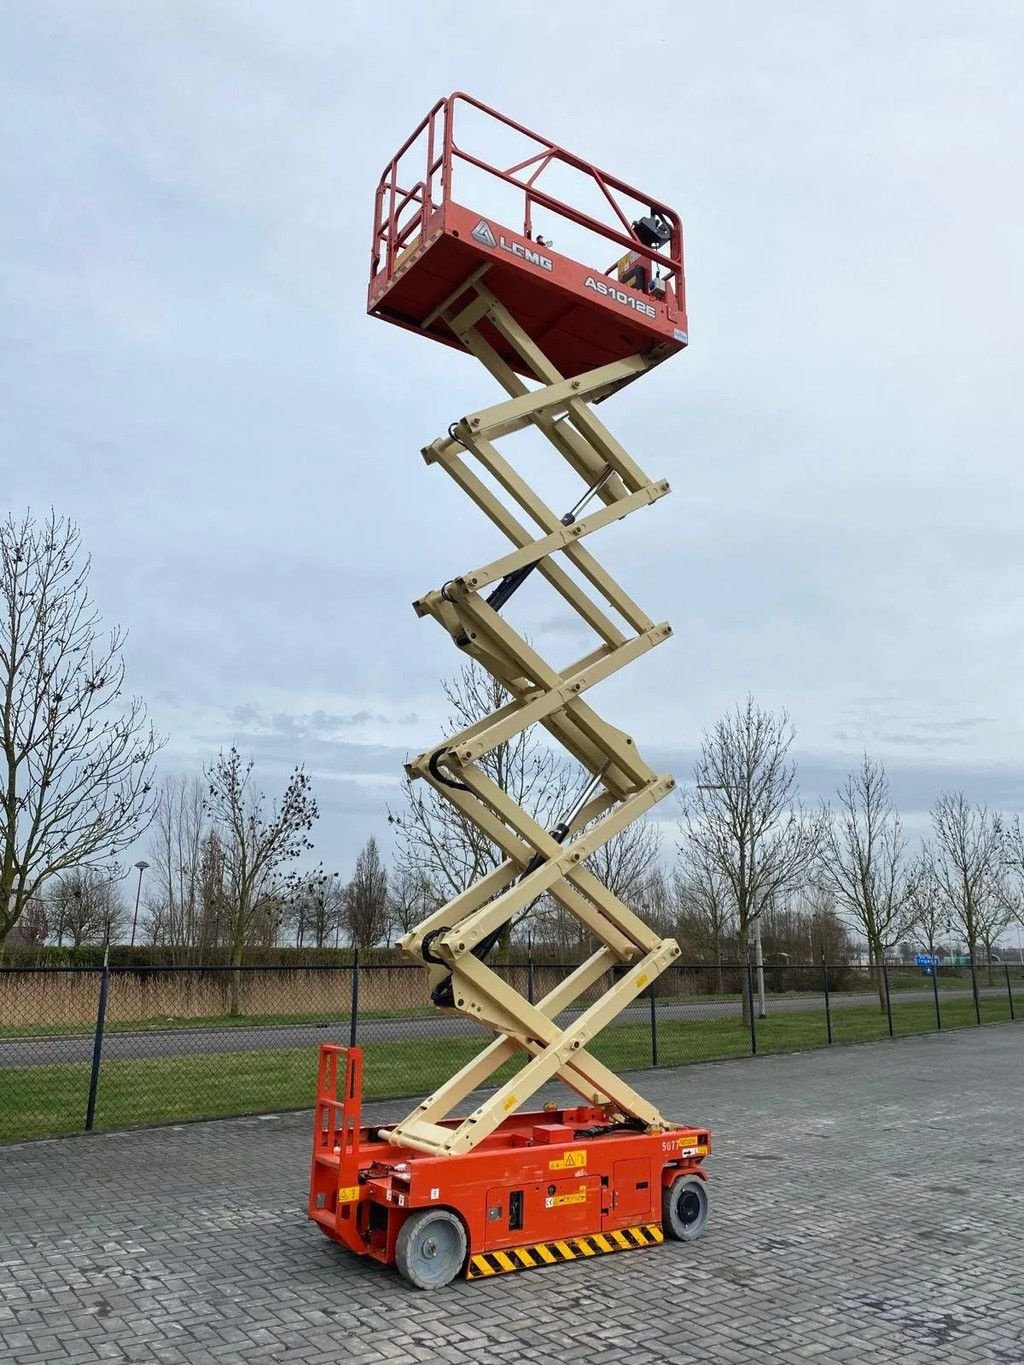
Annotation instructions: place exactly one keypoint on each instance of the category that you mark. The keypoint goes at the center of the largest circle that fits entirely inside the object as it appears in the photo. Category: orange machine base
(544, 1188)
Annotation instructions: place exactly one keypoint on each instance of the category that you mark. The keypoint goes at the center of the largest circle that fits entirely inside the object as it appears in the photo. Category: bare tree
(970, 851)
(805, 928)
(319, 909)
(33, 929)
(256, 847)
(863, 863)
(77, 754)
(215, 901)
(705, 905)
(85, 906)
(413, 897)
(654, 901)
(743, 815)
(926, 905)
(275, 910)
(367, 904)
(628, 865)
(434, 838)
(828, 938)
(627, 861)
(174, 896)
(1012, 884)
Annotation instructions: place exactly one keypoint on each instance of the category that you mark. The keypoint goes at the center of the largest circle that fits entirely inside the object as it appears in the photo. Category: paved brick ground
(868, 1206)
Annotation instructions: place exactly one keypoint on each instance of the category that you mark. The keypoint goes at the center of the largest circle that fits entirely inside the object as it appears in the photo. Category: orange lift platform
(501, 1189)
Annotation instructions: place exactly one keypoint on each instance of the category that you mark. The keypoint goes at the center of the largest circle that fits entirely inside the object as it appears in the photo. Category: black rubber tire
(431, 1248)
(684, 1208)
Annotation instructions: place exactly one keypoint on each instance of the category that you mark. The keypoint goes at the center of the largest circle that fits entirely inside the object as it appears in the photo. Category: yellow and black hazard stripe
(489, 1263)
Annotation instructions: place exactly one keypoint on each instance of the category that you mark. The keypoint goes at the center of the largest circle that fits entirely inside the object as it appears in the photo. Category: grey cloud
(914, 785)
(912, 740)
(313, 724)
(186, 368)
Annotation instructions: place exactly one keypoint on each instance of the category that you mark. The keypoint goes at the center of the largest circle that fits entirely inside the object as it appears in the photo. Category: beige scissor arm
(550, 1037)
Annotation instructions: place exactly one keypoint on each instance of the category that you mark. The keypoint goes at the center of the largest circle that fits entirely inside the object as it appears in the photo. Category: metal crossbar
(453, 942)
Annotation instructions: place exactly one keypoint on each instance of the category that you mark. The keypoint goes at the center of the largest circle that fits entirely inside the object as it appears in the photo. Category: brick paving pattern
(868, 1206)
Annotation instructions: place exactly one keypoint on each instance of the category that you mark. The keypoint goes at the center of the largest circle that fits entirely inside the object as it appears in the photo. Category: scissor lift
(500, 1190)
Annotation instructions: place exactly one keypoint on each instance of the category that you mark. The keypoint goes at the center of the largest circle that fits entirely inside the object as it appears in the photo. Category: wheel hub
(689, 1207)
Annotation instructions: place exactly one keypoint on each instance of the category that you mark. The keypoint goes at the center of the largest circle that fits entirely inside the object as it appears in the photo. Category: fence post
(97, 1046)
(1009, 989)
(974, 990)
(530, 983)
(935, 992)
(654, 1024)
(750, 1005)
(354, 1018)
(888, 998)
(828, 1006)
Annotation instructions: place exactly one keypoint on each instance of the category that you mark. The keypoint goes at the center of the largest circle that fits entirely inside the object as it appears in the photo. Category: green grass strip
(46, 1101)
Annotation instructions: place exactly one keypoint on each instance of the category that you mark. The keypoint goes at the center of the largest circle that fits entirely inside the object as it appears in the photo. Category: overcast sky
(187, 370)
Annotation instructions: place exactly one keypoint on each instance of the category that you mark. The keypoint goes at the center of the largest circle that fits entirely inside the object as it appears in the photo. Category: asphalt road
(185, 1042)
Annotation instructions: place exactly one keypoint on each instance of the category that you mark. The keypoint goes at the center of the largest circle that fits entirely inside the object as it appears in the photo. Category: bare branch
(434, 838)
(863, 860)
(256, 845)
(970, 857)
(77, 755)
(367, 903)
(743, 818)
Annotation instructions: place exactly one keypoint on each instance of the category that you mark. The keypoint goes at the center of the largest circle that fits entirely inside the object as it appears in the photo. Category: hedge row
(121, 955)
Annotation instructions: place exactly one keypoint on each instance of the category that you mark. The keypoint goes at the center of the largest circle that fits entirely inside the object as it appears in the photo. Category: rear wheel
(431, 1248)
(684, 1208)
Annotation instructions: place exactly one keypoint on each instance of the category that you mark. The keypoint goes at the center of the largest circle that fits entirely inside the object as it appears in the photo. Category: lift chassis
(501, 1189)
(548, 1187)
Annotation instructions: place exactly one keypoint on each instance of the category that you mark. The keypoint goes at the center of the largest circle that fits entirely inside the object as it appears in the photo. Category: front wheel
(431, 1248)
(685, 1208)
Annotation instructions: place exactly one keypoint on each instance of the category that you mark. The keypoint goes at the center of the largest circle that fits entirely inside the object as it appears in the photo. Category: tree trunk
(972, 953)
(879, 955)
(12, 901)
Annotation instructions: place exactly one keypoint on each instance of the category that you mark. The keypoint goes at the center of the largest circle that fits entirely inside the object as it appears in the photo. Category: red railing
(336, 1124)
(393, 235)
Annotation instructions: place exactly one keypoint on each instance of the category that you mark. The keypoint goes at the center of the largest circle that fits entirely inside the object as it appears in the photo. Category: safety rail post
(888, 997)
(828, 1004)
(354, 1016)
(654, 1024)
(97, 1046)
(974, 991)
(935, 992)
(1009, 990)
(750, 1007)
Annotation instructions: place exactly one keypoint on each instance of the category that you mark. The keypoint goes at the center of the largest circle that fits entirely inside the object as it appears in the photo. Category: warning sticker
(348, 1194)
(569, 1161)
(691, 1147)
(556, 1201)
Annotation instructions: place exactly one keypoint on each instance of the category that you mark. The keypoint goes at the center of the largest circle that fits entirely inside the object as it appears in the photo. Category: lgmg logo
(484, 234)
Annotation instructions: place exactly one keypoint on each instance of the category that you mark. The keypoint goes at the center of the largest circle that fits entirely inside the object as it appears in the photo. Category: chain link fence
(84, 1048)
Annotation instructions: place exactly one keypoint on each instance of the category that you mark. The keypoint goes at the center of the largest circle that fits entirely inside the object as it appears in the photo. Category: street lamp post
(141, 865)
